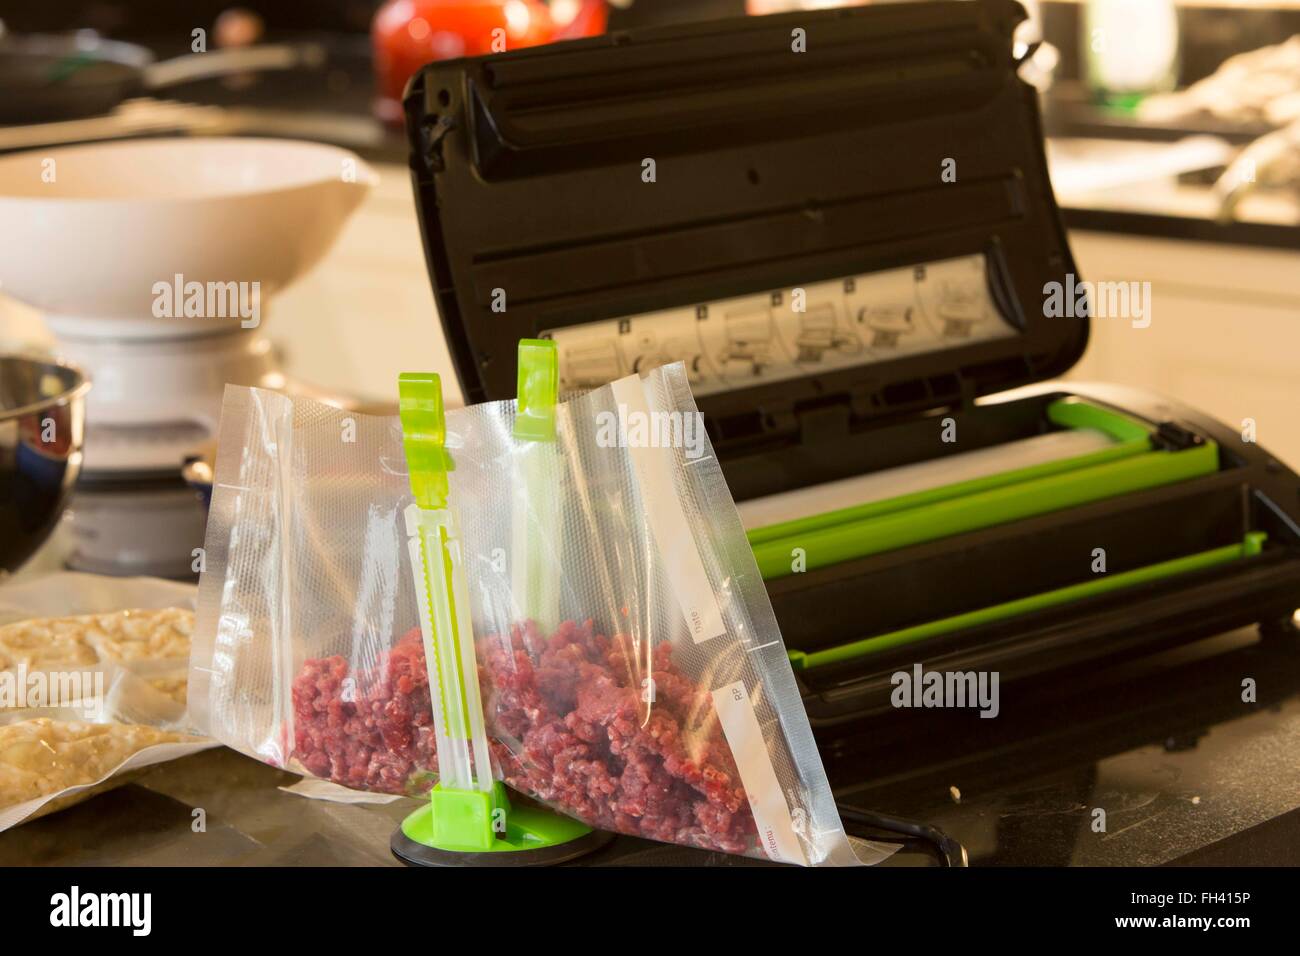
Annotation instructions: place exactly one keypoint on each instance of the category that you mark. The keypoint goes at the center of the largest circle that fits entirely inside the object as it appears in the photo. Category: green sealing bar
(874, 527)
(1132, 436)
(1076, 413)
(1251, 545)
(824, 546)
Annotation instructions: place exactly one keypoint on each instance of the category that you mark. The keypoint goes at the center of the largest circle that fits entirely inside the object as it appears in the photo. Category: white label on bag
(745, 737)
(663, 510)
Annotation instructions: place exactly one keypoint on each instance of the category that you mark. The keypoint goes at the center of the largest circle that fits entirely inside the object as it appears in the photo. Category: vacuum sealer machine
(842, 223)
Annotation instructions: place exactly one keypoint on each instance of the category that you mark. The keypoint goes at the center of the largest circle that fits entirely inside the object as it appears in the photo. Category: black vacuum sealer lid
(672, 193)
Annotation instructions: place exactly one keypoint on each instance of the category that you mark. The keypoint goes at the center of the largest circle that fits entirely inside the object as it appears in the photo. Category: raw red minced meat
(569, 728)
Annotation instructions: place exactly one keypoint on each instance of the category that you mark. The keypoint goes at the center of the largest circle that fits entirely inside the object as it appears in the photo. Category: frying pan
(47, 78)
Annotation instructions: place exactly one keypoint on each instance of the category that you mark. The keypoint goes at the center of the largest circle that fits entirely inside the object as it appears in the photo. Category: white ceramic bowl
(89, 231)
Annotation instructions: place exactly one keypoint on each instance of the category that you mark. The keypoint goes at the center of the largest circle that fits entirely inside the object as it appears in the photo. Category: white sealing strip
(745, 737)
(663, 510)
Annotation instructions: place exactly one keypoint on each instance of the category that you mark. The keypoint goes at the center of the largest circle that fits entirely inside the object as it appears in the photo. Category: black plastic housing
(773, 169)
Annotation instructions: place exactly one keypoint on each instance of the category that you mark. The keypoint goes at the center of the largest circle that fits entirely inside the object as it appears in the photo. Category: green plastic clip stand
(459, 824)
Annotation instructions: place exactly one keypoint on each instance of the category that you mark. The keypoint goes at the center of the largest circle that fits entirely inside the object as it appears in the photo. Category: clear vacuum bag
(631, 670)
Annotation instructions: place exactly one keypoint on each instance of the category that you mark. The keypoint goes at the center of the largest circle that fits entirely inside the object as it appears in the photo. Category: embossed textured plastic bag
(92, 686)
(633, 677)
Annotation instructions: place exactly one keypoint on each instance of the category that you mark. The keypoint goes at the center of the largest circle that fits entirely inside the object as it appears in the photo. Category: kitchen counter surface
(1183, 768)
(1164, 190)
(1185, 771)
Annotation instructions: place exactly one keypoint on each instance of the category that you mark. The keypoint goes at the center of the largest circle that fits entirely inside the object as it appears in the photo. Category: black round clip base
(413, 853)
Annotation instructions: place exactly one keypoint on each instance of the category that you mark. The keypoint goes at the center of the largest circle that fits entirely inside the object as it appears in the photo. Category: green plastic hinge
(468, 819)
(424, 436)
(539, 390)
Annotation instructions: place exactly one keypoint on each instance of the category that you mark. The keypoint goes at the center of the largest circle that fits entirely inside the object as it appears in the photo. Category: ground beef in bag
(378, 739)
(570, 728)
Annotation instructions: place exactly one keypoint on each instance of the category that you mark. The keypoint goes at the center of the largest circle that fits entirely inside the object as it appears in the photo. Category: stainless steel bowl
(42, 423)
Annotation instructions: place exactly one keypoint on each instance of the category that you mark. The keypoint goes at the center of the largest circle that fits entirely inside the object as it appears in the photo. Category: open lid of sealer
(865, 226)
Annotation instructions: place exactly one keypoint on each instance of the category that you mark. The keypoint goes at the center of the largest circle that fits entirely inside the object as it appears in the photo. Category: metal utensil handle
(197, 66)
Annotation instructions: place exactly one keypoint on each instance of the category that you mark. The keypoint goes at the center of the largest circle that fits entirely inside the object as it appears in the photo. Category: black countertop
(1186, 772)
(1183, 768)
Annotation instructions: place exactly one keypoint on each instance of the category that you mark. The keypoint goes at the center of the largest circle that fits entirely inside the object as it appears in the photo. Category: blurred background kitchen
(1173, 130)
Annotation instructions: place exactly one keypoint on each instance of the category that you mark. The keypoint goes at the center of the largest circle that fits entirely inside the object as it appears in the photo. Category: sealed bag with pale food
(86, 701)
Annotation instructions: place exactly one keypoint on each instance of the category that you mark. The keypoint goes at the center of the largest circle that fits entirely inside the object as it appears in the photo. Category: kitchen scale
(850, 248)
(153, 261)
